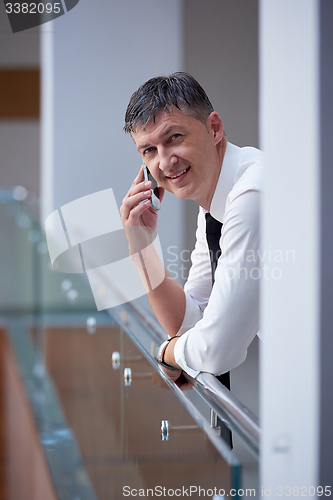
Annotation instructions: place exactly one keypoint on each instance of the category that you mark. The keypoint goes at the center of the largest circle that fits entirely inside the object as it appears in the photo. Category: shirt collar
(225, 182)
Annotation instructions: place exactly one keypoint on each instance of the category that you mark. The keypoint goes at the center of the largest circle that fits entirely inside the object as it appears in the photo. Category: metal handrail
(230, 410)
(237, 416)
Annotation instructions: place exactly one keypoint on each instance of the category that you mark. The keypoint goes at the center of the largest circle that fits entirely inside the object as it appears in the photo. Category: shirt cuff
(192, 315)
(179, 354)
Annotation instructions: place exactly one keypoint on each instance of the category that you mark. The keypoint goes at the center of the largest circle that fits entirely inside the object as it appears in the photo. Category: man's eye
(175, 136)
(147, 151)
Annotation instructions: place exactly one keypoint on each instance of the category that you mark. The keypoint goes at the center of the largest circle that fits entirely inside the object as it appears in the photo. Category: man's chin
(184, 195)
(176, 192)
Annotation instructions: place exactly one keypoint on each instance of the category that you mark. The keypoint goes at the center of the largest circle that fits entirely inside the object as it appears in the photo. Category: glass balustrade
(111, 423)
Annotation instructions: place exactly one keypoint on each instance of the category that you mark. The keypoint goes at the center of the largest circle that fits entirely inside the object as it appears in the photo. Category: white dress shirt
(221, 321)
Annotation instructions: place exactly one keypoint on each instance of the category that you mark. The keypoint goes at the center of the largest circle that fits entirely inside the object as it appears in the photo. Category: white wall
(289, 131)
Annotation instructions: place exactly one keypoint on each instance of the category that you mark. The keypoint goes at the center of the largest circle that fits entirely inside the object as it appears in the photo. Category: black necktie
(213, 235)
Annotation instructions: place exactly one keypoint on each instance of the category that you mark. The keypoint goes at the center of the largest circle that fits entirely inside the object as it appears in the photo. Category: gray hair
(163, 92)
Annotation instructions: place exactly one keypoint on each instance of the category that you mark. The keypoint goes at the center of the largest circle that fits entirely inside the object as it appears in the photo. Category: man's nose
(167, 161)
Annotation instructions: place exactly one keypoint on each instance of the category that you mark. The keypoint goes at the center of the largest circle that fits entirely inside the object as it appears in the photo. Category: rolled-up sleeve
(221, 322)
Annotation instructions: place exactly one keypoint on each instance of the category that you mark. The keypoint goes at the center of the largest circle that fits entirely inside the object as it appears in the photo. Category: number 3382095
(32, 8)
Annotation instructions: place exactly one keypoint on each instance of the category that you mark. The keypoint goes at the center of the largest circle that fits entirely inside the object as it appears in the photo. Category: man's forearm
(165, 295)
(168, 298)
(168, 303)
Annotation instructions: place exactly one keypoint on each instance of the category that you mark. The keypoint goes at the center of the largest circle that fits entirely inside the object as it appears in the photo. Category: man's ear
(215, 125)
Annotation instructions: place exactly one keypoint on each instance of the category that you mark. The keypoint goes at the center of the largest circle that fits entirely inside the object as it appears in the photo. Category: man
(181, 140)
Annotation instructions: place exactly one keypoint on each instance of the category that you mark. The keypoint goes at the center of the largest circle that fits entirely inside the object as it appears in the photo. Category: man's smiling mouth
(178, 175)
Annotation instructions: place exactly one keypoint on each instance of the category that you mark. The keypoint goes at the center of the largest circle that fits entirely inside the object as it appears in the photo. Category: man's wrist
(169, 357)
(160, 357)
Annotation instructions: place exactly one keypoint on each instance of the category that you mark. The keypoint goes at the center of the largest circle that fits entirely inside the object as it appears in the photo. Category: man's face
(181, 153)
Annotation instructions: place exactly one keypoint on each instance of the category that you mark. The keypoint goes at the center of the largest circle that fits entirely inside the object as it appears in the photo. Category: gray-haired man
(181, 140)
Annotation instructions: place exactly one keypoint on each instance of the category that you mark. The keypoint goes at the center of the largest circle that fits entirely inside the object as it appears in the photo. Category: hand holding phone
(155, 197)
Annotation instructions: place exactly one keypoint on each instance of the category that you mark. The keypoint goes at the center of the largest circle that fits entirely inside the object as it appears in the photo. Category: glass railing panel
(28, 282)
(101, 431)
(108, 425)
(18, 265)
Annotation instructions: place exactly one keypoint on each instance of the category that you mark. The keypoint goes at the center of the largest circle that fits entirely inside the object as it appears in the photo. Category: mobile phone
(155, 200)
